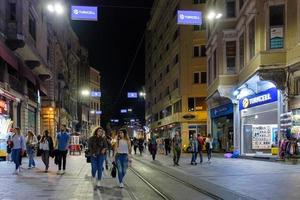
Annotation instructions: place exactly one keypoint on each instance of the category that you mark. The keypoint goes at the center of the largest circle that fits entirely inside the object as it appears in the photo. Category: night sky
(112, 43)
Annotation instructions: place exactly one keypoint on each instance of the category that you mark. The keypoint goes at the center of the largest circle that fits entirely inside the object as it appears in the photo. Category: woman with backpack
(18, 149)
(46, 147)
(31, 142)
(123, 149)
(209, 146)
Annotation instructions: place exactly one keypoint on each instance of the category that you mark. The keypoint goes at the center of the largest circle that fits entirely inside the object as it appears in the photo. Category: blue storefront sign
(221, 111)
(95, 94)
(86, 13)
(132, 95)
(185, 17)
(268, 96)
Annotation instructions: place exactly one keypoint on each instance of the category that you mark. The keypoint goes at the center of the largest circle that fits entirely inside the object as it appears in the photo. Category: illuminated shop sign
(87, 13)
(3, 107)
(261, 98)
(95, 94)
(132, 95)
(185, 17)
(221, 111)
(123, 110)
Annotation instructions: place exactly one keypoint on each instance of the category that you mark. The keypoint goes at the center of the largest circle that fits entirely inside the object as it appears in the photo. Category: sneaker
(94, 181)
(99, 183)
(121, 185)
(58, 172)
(63, 172)
(16, 172)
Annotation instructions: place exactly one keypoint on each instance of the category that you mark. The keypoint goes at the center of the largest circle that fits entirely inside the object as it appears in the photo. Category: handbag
(87, 156)
(113, 172)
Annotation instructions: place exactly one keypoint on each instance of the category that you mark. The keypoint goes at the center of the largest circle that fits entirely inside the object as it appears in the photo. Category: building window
(155, 100)
(167, 47)
(154, 83)
(168, 111)
(176, 84)
(277, 27)
(175, 36)
(12, 12)
(251, 39)
(197, 51)
(203, 50)
(177, 107)
(199, 77)
(167, 69)
(199, 1)
(196, 104)
(230, 56)
(230, 8)
(160, 77)
(32, 26)
(215, 65)
(242, 50)
(176, 59)
(241, 3)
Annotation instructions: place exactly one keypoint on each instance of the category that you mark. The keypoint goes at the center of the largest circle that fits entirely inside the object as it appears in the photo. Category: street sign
(132, 95)
(85, 13)
(123, 110)
(186, 17)
(95, 94)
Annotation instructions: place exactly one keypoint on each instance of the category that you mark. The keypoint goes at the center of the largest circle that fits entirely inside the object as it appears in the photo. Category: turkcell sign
(186, 17)
(86, 13)
(268, 96)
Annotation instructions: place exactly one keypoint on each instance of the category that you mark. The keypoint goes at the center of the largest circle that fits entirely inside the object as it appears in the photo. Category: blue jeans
(122, 165)
(194, 157)
(30, 153)
(15, 156)
(97, 165)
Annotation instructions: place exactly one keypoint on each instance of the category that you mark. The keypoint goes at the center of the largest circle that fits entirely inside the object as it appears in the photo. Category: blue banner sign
(189, 17)
(95, 94)
(268, 96)
(123, 110)
(132, 95)
(98, 112)
(86, 13)
(221, 111)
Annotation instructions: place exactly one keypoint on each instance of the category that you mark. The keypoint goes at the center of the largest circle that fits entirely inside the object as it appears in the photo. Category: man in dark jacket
(97, 148)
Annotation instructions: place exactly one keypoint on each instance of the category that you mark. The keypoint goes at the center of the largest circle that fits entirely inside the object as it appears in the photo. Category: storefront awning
(7, 55)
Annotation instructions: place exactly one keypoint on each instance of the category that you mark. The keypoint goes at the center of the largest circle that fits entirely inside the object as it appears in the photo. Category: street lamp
(56, 7)
(142, 94)
(213, 15)
(85, 93)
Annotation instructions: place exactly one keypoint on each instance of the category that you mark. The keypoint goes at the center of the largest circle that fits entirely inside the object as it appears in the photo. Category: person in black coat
(46, 146)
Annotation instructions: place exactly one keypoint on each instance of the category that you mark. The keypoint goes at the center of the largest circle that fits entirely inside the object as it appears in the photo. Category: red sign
(3, 107)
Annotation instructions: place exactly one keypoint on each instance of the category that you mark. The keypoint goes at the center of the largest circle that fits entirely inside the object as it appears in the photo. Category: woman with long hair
(18, 149)
(97, 149)
(46, 147)
(123, 149)
(31, 142)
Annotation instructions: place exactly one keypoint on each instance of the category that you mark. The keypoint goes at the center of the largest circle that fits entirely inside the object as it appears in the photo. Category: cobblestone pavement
(251, 178)
(75, 184)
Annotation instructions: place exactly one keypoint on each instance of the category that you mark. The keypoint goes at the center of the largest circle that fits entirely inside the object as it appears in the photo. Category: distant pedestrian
(18, 149)
(123, 149)
(46, 147)
(194, 146)
(176, 144)
(97, 145)
(209, 146)
(167, 146)
(62, 145)
(141, 145)
(31, 142)
(9, 146)
(200, 146)
(153, 147)
(135, 144)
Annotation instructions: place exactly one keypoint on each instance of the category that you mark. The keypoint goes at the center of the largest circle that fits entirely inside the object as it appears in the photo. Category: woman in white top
(209, 146)
(123, 148)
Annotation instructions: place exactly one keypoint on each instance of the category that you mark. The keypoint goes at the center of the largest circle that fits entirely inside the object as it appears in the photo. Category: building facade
(175, 71)
(95, 103)
(253, 58)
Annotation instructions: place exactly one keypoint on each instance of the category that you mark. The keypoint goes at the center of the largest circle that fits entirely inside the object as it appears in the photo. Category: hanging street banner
(185, 17)
(84, 13)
